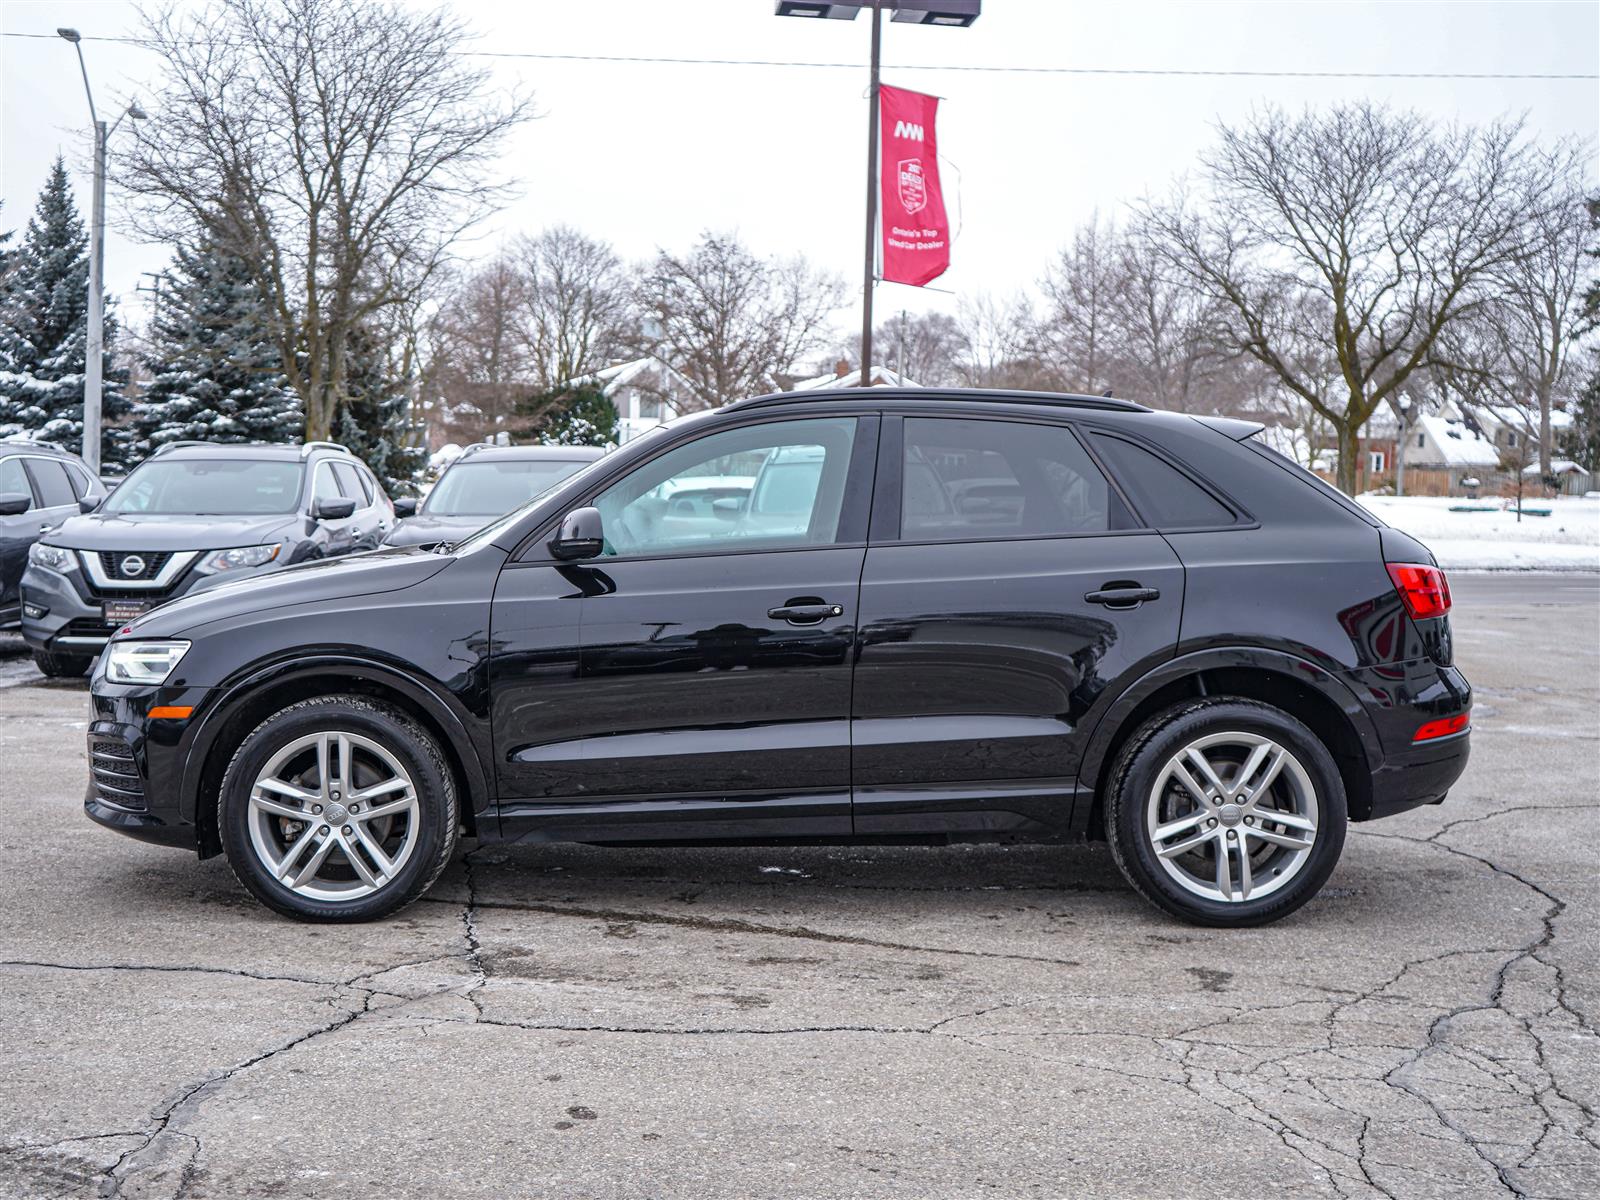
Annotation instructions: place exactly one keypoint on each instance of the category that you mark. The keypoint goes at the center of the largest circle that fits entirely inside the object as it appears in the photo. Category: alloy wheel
(333, 816)
(1232, 816)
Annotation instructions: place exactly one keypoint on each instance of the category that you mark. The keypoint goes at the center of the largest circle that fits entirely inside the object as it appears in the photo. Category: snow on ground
(1567, 540)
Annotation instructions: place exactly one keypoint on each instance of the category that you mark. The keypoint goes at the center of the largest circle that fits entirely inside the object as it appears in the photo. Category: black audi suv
(957, 616)
(191, 516)
(487, 481)
(41, 485)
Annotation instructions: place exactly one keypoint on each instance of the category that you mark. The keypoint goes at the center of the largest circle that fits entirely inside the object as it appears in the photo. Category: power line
(1193, 72)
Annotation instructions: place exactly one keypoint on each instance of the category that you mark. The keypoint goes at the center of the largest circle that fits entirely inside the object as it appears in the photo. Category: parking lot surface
(567, 1021)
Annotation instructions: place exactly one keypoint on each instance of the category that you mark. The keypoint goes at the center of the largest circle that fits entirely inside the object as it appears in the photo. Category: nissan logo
(132, 566)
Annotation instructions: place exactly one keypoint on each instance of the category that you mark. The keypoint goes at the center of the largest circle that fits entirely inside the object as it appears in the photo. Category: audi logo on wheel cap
(132, 566)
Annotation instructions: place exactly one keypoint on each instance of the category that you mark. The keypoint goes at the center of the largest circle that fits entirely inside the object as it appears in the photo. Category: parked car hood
(325, 579)
(147, 531)
(425, 530)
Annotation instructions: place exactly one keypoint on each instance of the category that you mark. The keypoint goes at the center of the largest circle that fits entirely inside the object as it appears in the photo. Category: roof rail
(992, 395)
(307, 447)
(26, 439)
(180, 445)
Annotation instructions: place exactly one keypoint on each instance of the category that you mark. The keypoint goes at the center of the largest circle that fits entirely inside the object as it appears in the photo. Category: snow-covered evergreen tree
(216, 372)
(375, 422)
(44, 305)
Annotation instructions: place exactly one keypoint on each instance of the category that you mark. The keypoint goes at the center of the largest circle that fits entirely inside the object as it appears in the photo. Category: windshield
(211, 487)
(488, 489)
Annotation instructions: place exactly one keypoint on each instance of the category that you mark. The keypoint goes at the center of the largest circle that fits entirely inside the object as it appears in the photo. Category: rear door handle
(810, 613)
(1122, 595)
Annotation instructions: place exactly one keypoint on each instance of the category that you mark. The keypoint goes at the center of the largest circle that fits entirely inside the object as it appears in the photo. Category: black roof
(984, 395)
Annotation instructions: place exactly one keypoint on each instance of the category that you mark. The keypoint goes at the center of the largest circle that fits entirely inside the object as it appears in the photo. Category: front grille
(147, 562)
(116, 776)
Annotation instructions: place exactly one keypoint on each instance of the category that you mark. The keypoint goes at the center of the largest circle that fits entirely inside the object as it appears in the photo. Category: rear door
(1007, 584)
(17, 533)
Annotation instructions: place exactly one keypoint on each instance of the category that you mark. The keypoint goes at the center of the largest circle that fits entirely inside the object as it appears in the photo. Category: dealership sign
(916, 232)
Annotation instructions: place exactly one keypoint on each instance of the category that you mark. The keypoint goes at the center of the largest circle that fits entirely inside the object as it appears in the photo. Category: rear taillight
(1442, 728)
(1424, 589)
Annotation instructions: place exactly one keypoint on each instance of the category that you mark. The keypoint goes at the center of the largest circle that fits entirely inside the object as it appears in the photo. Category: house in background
(645, 393)
(846, 376)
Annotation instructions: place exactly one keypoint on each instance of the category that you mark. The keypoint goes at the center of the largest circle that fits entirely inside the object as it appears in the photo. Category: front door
(1005, 588)
(695, 678)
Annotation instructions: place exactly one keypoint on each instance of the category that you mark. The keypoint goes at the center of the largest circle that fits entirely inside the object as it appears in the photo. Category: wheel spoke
(1241, 781)
(286, 789)
(385, 863)
(1279, 839)
(344, 764)
(1163, 832)
(378, 789)
(1183, 847)
(1190, 784)
(292, 855)
(1264, 786)
(322, 764)
(1244, 868)
(1287, 819)
(314, 863)
(1207, 771)
(393, 808)
(353, 856)
(278, 808)
(1224, 872)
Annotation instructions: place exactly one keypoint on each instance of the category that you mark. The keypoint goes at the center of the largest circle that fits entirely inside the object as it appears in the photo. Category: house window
(650, 408)
(1511, 440)
(1375, 461)
(1422, 440)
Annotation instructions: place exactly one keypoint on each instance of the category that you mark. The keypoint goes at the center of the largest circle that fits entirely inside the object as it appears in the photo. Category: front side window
(214, 487)
(770, 486)
(977, 479)
(55, 489)
(326, 486)
(487, 489)
(350, 484)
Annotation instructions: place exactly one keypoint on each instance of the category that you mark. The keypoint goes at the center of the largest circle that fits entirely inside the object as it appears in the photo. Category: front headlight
(52, 558)
(239, 558)
(143, 662)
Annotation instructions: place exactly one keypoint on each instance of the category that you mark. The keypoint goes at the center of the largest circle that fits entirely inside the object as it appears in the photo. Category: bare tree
(346, 138)
(923, 347)
(999, 343)
(478, 362)
(1356, 233)
(577, 305)
(730, 322)
(1076, 334)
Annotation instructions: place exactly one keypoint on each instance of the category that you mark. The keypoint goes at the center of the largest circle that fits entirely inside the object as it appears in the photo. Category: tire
(60, 666)
(1147, 795)
(410, 823)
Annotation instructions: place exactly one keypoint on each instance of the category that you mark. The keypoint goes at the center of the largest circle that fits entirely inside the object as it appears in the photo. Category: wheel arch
(1305, 690)
(251, 700)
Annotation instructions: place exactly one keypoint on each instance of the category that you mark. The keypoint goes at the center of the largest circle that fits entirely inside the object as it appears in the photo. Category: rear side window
(976, 479)
(1167, 498)
(79, 480)
(55, 489)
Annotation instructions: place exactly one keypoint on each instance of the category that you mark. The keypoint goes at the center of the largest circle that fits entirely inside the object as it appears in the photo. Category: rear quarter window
(1164, 495)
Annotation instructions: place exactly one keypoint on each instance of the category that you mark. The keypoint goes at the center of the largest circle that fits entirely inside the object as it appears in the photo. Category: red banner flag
(916, 233)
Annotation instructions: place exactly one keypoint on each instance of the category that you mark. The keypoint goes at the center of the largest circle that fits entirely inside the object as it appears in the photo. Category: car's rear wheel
(338, 808)
(1226, 812)
(60, 666)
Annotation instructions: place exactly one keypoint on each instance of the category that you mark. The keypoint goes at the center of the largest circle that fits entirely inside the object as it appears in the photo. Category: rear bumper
(1407, 697)
(1419, 776)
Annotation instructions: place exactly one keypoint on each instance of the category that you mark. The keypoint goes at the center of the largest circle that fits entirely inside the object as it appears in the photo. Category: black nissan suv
(191, 516)
(953, 616)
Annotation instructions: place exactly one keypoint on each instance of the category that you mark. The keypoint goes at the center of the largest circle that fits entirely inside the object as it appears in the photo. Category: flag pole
(869, 270)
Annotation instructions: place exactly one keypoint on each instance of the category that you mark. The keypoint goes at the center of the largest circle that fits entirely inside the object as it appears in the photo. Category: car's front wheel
(338, 808)
(1226, 812)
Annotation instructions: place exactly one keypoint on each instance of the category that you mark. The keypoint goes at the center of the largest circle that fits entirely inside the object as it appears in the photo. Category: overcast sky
(647, 155)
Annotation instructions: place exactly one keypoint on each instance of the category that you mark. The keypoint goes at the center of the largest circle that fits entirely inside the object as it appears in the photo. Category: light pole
(94, 348)
(958, 13)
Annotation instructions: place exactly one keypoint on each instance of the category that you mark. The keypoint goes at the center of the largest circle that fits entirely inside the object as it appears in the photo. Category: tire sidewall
(1149, 750)
(400, 737)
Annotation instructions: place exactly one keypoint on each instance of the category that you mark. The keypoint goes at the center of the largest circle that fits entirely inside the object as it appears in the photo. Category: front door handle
(805, 612)
(1122, 595)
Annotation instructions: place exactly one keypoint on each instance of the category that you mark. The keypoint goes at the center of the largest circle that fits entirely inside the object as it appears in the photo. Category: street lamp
(94, 349)
(957, 13)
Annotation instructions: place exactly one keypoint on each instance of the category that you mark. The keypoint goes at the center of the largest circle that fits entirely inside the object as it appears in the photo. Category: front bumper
(137, 765)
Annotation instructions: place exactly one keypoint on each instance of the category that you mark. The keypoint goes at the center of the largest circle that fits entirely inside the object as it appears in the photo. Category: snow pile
(1567, 540)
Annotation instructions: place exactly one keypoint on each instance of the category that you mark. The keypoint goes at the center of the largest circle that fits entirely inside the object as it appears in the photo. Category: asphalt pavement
(575, 1022)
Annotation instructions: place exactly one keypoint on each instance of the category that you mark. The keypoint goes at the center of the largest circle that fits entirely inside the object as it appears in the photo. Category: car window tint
(973, 479)
(350, 484)
(763, 486)
(1167, 498)
(13, 480)
(55, 489)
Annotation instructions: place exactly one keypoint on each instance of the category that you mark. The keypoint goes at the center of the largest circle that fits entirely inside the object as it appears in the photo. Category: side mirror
(728, 507)
(14, 503)
(87, 504)
(333, 510)
(580, 536)
(406, 507)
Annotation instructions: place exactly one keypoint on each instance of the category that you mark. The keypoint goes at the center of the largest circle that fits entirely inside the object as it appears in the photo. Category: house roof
(1457, 445)
(881, 377)
(622, 374)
